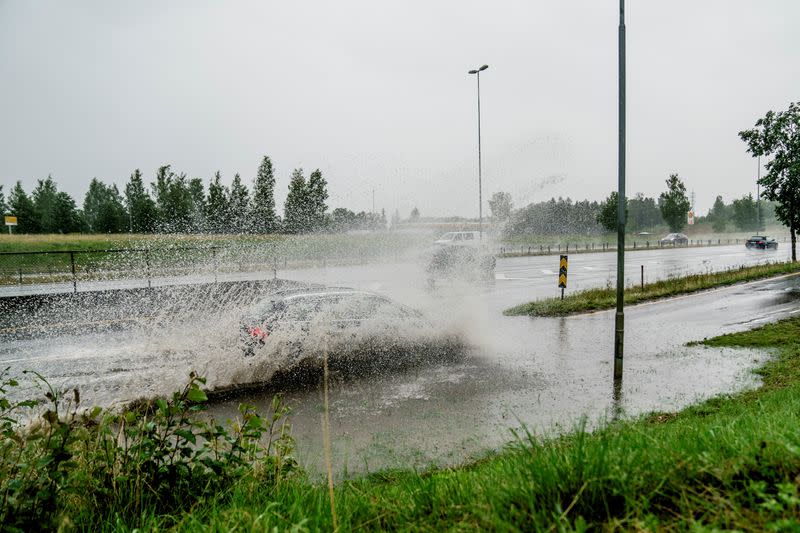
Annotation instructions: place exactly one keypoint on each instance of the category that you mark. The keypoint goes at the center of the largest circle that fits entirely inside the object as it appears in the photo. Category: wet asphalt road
(543, 373)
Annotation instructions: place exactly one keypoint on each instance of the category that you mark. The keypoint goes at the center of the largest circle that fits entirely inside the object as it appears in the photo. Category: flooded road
(542, 373)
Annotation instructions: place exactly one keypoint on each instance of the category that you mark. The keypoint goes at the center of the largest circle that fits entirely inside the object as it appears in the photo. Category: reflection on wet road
(543, 373)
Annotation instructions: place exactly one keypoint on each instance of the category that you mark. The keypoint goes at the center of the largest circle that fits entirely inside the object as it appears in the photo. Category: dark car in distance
(761, 242)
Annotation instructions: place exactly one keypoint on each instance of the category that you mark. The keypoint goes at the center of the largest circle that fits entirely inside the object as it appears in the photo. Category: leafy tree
(745, 213)
(556, 217)
(674, 204)
(296, 210)
(197, 194)
(173, 200)
(262, 214)
(160, 190)
(500, 204)
(70, 220)
(642, 213)
(342, 219)
(21, 206)
(238, 206)
(44, 205)
(54, 211)
(778, 135)
(607, 216)
(180, 204)
(719, 215)
(3, 206)
(103, 209)
(414, 214)
(317, 190)
(217, 205)
(142, 213)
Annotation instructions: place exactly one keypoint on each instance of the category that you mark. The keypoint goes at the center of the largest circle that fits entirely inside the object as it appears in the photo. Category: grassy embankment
(729, 463)
(605, 298)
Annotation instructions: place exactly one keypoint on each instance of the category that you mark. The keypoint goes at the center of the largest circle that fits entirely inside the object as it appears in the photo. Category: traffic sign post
(10, 221)
(562, 274)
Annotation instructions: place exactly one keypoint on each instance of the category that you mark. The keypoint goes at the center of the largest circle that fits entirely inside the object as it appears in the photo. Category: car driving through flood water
(348, 325)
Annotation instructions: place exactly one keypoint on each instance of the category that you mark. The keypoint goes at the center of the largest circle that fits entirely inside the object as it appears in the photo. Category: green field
(605, 298)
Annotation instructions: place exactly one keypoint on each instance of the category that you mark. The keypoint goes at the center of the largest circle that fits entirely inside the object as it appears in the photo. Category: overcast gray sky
(377, 95)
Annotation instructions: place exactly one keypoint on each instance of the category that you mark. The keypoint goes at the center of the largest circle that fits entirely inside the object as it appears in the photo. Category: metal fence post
(147, 267)
(214, 262)
(74, 277)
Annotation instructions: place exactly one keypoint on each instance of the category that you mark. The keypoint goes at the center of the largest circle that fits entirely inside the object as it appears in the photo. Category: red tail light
(257, 333)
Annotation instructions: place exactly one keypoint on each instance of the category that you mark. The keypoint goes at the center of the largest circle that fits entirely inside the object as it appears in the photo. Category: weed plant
(72, 468)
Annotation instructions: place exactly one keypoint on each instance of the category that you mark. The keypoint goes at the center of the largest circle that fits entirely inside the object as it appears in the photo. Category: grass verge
(731, 463)
(605, 298)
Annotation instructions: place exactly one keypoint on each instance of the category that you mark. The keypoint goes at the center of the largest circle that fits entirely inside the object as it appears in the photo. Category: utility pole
(619, 318)
(758, 197)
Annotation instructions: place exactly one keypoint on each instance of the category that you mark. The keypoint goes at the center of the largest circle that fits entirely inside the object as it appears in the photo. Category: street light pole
(480, 188)
(619, 321)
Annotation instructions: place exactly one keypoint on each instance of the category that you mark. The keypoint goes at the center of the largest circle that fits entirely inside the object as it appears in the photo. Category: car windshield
(447, 237)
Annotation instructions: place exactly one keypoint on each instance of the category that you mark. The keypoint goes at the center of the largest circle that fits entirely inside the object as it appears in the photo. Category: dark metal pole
(74, 275)
(480, 189)
(758, 195)
(619, 322)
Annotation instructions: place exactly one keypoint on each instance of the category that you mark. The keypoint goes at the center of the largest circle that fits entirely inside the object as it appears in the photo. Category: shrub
(161, 457)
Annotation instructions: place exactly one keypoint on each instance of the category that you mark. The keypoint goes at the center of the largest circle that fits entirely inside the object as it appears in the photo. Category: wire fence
(143, 267)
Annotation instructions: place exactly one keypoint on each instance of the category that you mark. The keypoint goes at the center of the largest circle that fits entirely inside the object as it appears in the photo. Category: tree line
(175, 203)
(563, 216)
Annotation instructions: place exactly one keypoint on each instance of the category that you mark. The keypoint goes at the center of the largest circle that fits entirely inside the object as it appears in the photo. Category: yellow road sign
(11, 221)
(562, 272)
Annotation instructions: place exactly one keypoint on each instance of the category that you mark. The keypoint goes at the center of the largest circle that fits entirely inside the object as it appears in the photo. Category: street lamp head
(484, 67)
(473, 71)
